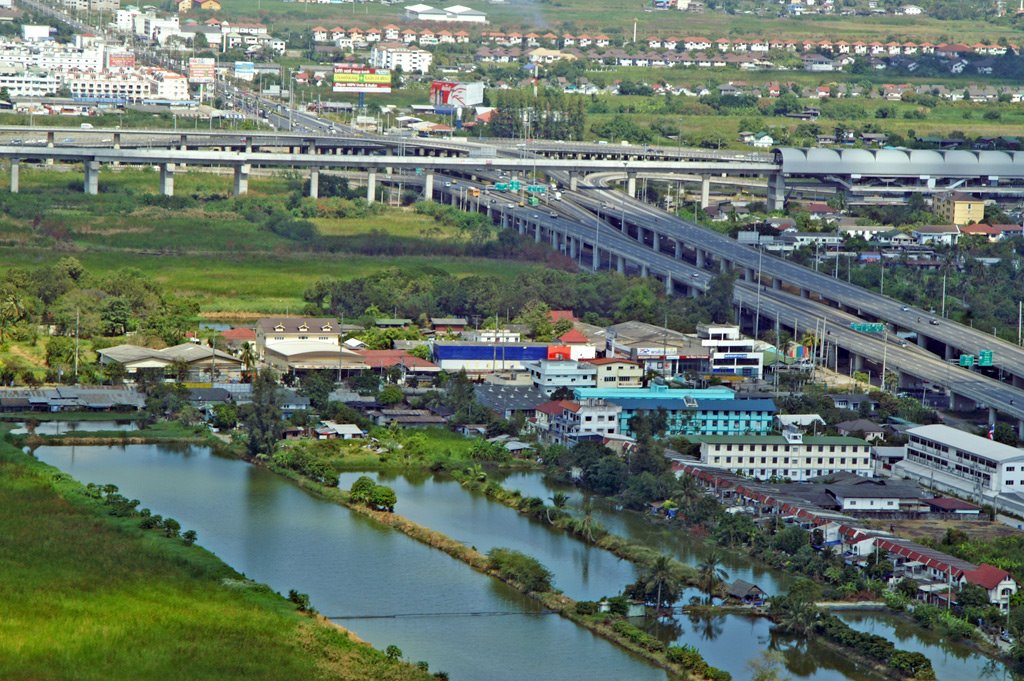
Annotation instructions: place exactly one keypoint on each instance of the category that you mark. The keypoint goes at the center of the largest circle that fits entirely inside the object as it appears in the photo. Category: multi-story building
(549, 375)
(959, 208)
(275, 331)
(169, 86)
(614, 372)
(729, 354)
(24, 82)
(791, 455)
(395, 55)
(968, 464)
(710, 411)
(566, 422)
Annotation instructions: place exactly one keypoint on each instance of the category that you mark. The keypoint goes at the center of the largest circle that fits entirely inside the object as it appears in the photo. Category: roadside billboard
(245, 70)
(349, 78)
(454, 95)
(202, 70)
(120, 60)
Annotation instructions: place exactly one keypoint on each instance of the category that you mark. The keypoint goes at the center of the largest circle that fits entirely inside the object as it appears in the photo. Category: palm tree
(587, 522)
(558, 502)
(248, 357)
(12, 310)
(710, 574)
(662, 576)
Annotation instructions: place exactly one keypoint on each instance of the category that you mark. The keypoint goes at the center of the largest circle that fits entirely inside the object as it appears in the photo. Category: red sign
(120, 60)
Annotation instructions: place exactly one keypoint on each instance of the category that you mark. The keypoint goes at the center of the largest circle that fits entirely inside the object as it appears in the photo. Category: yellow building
(188, 5)
(958, 208)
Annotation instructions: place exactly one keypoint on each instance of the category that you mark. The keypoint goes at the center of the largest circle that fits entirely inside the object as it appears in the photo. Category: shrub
(586, 608)
(525, 570)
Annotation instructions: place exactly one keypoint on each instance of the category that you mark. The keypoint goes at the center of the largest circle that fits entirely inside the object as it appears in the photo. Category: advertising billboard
(202, 70)
(348, 78)
(120, 60)
(451, 95)
(245, 70)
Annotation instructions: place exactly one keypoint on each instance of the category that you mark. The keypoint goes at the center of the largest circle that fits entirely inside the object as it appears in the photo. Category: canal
(384, 586)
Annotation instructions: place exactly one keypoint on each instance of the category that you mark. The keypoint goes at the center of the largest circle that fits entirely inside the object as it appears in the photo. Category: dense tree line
(597, 298)
(548, 115)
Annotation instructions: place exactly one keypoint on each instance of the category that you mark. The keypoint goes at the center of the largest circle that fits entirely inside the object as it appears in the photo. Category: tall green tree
(263, 421)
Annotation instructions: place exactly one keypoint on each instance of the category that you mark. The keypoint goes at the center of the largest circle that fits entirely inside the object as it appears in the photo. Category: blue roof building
(711, 411)
(476, 358)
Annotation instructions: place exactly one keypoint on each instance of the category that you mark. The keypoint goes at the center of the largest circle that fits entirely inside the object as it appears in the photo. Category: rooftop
(975, 444)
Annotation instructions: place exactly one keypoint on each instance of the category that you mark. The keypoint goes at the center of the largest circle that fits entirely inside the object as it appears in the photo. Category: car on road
(695, 275)
(934, 322)
(905, 308)
(67, 140)
(553, 214)
(511, 205)
(904, 344)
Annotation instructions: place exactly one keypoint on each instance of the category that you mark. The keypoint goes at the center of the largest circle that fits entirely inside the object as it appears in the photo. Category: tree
(263, 421)
(659, 582)
(171, 527)
(559, 500)
(249, 359)
(711, 575)
(361, 489)
(383, 498)
(317, 386)
(189, 537)
(225, 416)
(116, 314)
(390, 395)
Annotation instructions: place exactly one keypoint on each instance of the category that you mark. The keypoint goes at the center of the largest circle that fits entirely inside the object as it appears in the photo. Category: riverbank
(82, 589)
(42, 416)
(606, 626)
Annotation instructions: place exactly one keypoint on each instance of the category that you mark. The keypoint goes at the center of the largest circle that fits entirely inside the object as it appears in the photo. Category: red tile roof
(600, 361)
(239, 334)
(556, 407)
(573, 336)
(383, 359)
(947, 504)
(987, 576)
(559, 315)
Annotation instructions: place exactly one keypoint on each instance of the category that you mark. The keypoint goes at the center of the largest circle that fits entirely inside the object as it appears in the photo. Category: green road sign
(533, 201)
(985, 358)
(536, 188)
(514, 185)
(501, 186)
(966, 360)
(867, 328)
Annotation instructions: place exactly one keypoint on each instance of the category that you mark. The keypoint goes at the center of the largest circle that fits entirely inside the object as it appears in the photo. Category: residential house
(615, 372)
(945, 235)
(958, 208)
(549, 376)
(791, 455)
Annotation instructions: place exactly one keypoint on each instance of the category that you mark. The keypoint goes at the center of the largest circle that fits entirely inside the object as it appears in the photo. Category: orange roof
(987, 576)
(559, 315)
(239, 334)
(556, 407)
(383, 359)
(601, 361)
(573, 336)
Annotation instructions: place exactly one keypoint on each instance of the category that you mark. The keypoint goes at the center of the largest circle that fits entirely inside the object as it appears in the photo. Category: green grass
(88, 596)
(207, 249)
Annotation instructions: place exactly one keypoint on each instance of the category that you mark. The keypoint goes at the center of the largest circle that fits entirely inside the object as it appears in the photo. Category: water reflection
(63, 427)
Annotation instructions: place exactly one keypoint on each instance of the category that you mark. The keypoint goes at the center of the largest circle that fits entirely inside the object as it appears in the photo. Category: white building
(23, 82)
(566, 422)
(492, 336)
(615, 372)
(455, 13)
(971, 465)
(791, 455)
(729, 354)
(169, 86)
(548, 375)
(393, 56)
(278, 331)
(33, 33)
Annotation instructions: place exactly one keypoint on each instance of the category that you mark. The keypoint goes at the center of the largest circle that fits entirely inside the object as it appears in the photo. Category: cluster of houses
(829, 509)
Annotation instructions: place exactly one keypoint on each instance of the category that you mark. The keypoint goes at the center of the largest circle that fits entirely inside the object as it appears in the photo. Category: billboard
(120, 60)
(202, 70)
(452, 95)
(348, 78)
(245, 70)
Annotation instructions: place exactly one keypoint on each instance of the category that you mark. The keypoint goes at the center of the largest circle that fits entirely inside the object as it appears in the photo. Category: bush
(586, 608)
(525, 570)
(637, 636)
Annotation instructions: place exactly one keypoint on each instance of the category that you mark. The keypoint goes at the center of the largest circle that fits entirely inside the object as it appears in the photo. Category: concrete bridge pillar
(117, 140)
(572, 248)
(723, 265)
(643, 270)
(573, 182)
(595, 259)
(247, 141)
(679, 250)
(242, 178)
(705, 191)
(631, 184)
(701, 257)
(183, 144)
(536, 232)
(428, 187)
(776, 283)
(805, 293)
(314, 183)
(991, 416)
(15, 172)
(92, 177)
(50, 139)
(856, 362)
(167, 179)
(1020, 429)
(947, 351)
(371, 186)
(620, 264)
(776, 192)
(669, 286)
(554, 239)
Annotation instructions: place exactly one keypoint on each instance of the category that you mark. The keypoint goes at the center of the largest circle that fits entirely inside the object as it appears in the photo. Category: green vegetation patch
(89, 596)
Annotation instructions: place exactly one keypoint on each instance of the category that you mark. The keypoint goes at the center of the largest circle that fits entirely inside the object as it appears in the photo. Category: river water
(64, 427)
(384, 586)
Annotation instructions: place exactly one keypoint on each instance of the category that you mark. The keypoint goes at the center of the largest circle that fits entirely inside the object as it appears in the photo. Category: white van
(86, 126)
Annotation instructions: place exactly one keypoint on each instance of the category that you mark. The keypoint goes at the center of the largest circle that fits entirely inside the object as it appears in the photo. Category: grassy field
(616, 20)
(207, 249)
(89, 596)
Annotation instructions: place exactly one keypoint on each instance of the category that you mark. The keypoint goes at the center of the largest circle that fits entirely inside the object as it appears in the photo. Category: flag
(991, 431)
